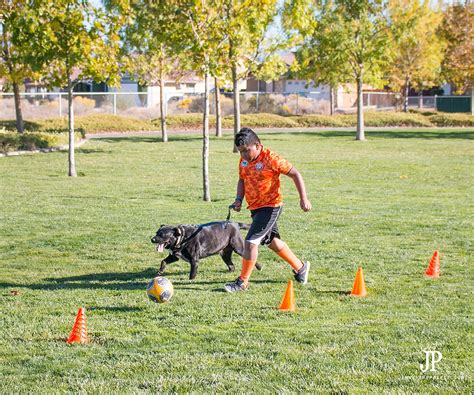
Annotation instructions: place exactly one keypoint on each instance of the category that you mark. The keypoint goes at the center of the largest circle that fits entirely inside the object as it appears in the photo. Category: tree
(312, 61)
(352, 34)
(217, 95)
(152, 45)
(75, 41)
(458, 31)
(417, 48)
(14, 67)
(246, 23)
(206, 37)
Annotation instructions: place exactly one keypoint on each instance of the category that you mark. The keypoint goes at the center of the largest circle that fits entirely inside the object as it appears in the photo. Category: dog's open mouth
(160, 247)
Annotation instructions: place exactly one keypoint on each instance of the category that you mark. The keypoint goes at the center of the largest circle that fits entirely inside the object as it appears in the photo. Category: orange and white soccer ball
(160, 290)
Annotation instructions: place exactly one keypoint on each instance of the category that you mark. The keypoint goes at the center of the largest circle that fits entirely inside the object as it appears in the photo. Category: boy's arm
(240, 195)
(295, 175)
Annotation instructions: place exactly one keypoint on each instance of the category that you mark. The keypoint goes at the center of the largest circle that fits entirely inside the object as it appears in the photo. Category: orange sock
(291, 258)
(247, 267)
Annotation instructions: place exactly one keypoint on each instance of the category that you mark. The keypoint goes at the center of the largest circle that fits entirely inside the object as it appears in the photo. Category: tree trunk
(205, 139)
(405, 94)
(164, 133)
(235, 85)
(331, 100)
(218, 108)
(19, 116)
(360, 133)
(16, 88)
(72, 160)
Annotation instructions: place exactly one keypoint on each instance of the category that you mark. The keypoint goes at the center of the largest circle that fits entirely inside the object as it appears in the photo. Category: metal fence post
(472, 100)
(435, 104)
(256, 103)
(60, 105)
(115, 103)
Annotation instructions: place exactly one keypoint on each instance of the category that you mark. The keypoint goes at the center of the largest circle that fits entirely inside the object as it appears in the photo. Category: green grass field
(385, 204)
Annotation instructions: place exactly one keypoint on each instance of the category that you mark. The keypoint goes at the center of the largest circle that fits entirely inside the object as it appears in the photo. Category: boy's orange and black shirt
(262, 179)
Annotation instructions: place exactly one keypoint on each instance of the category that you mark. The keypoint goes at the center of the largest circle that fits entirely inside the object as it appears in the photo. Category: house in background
(345, 95)
(287, 85)
(176, 87)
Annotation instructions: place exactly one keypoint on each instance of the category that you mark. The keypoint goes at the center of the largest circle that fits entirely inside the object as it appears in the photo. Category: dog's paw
(258, 266)
(231, 268)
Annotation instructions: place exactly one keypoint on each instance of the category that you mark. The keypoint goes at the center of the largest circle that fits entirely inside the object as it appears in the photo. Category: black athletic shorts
(264, 225)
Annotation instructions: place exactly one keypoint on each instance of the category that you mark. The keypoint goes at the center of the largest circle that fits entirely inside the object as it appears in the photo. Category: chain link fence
(142, 105)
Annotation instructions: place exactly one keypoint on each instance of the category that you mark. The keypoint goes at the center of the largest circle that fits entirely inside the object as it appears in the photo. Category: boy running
(259, 183)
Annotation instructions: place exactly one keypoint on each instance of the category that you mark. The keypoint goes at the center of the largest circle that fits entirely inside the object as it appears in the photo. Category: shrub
(422, 111)
(185, 121)
(381, 119)
(9, 141)
(450, 119)
(32, 141)
(266, 104)
(323, 120)
(261, 121)
(185, 103)
(197, 104)
(81, 101)
(53, 125)
(111, 123)
(13, 141)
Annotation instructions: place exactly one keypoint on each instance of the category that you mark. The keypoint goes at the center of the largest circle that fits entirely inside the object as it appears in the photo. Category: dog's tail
(243, 226)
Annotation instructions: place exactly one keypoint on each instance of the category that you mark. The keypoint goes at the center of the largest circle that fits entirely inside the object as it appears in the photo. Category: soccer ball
(160, 290)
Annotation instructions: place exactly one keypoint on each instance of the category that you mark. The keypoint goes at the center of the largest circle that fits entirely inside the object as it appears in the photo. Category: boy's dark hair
(246, 136)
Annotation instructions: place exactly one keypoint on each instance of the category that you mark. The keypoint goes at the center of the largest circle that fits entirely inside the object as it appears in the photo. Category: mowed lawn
(385, 204)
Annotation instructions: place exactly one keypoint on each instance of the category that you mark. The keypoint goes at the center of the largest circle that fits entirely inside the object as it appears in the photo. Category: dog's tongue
(160, 247)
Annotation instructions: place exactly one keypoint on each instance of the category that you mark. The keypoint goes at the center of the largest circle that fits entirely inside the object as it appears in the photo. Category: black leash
(231, 207)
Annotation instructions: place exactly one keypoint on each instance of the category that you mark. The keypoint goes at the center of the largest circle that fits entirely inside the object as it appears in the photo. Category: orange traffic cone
(79, 329)
(288, 302)
(433, 267)
(359, 284)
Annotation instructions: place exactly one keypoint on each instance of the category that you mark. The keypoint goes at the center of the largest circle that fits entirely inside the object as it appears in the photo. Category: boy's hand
(305, 204)
(236, 206)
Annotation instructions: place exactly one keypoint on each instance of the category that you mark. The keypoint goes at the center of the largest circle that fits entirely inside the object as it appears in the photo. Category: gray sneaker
(237, 285)
(302, 275)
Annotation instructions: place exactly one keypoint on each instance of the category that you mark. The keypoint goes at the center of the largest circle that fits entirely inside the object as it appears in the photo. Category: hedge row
(84, 124)
(371, 119)
(29, 141)
(52, 132)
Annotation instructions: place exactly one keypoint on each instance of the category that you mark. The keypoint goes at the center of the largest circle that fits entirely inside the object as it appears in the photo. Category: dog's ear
(178, 231)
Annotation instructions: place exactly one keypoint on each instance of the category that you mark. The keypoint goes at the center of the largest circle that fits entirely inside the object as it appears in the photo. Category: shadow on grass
(93, 151)
(122, 276)
(111, 281)
(341, 293)
(114, 281)
(116, 309)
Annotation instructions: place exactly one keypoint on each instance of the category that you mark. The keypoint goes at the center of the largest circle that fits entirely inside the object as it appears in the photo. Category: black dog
(194, 242)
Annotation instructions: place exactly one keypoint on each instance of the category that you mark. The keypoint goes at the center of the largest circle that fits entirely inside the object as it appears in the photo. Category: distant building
(345, 95)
